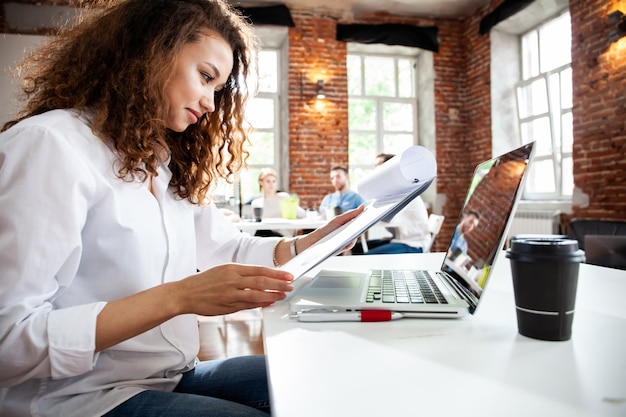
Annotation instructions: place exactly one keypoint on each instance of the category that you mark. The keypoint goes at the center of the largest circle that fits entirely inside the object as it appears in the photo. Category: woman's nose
(208, 102)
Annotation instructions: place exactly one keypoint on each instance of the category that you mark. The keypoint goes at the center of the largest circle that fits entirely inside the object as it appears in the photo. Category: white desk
(251, 226)
(477, 366)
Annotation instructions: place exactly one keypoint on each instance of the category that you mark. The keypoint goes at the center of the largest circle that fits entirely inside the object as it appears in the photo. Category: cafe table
(251, 226)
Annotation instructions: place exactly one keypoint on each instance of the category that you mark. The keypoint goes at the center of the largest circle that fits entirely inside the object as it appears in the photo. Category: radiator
(534, 222)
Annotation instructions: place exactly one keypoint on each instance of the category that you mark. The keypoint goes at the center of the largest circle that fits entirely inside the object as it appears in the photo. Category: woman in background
(105, 219)
(271, 201)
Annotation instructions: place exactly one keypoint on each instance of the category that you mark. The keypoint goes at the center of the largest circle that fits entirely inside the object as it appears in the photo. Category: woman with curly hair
(109, 245)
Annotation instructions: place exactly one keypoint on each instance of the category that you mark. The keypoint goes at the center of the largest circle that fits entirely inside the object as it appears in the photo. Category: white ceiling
(28, 14)
(346, 9)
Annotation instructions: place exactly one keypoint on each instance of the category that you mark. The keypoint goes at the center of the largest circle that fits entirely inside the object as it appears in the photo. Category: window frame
(555, 112)
(357, 170)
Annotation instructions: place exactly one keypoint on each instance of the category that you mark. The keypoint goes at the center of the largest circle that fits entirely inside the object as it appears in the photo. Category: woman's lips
(195, 115)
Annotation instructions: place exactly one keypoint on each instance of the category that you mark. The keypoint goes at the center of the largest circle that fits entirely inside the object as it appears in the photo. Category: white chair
(435, 221)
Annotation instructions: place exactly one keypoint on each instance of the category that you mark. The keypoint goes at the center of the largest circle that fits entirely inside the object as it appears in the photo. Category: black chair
(604, 241)
(579, 228)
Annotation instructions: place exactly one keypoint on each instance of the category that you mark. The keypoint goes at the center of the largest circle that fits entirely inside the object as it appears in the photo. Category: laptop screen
(484, 220)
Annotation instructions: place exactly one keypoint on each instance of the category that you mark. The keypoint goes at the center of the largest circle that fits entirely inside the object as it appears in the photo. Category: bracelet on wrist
(292, 247)
(276, 264)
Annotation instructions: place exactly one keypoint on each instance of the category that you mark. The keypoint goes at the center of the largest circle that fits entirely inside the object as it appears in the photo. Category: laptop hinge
(463, 292)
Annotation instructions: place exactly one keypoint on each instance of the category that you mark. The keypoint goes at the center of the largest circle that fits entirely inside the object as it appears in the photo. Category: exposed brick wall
(462, 107)
(318, 137)
(462, 111)
(318, 129)
(599, 83)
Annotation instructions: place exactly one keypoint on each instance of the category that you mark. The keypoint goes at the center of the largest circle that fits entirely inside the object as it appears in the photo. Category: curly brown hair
(113, 65)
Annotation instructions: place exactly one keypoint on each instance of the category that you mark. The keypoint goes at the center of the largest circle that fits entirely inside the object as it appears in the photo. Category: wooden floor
(236, 334)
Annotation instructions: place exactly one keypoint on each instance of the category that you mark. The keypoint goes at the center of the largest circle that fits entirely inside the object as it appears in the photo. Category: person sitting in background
(343, 199)
(410, 235)
(271, 200)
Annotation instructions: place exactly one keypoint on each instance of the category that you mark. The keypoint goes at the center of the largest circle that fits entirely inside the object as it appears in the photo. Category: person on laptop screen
(458, 245)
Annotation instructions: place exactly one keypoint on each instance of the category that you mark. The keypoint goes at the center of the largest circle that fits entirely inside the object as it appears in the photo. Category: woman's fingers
(232, 287)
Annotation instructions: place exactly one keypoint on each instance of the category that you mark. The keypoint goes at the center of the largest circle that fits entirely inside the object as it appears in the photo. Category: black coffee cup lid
(544, 247)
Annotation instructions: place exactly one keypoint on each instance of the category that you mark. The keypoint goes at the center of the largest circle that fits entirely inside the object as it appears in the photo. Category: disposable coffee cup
(258, 213)
(545, 278)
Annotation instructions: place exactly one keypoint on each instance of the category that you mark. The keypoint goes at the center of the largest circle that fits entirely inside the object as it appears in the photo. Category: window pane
(539, 131)
(260, 113)
(567, 128)
(362, 114)
(568, 176)
(379, 76)
(362, 149)
(396, 144)
(406, 78)
(354, 75)
(261, 148)
(357, 174)
(541, 178)
(555, 43)
(555, 91)
(538, 97)
(268, 71)
(530, 58)
(566, 89)
(250, 185)
(398, 117)
(532, 99)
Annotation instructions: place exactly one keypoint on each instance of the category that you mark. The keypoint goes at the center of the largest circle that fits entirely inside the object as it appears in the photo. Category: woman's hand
(232, 287)
(338, 221)
(220, 290)
(283, 251)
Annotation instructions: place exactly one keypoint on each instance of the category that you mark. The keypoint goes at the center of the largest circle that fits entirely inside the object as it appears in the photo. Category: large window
(544, 105)
(263, 115)
(382, 108)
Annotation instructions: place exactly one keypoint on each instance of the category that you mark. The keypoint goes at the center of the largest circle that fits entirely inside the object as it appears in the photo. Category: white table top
(476, 366)
(251, 226)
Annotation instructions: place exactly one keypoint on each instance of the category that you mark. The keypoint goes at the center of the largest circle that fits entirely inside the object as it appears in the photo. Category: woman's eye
(206, 77)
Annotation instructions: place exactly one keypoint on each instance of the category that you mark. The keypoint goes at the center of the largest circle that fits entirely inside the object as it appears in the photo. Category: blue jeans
(226, 388)
(393, 248)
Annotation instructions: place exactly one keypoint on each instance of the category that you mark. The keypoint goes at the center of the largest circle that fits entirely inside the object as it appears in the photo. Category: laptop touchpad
(337, 281)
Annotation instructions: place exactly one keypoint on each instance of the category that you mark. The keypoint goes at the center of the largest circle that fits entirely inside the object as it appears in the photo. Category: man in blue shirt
(468, 223)
(343, 197)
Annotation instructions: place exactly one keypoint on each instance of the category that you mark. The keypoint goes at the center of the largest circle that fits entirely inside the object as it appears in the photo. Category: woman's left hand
(283, 251)
(334, 224)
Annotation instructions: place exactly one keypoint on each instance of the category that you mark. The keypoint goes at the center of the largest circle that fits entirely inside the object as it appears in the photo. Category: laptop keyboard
(403, 286)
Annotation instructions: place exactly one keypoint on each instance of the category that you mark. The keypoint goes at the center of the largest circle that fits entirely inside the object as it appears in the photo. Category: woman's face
(268, 184)
(200, 70)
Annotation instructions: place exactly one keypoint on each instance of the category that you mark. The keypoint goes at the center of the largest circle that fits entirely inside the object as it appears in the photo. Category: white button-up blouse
(72, 237)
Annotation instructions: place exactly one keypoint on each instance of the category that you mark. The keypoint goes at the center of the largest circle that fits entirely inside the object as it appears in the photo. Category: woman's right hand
(220, 290)
(231, 287)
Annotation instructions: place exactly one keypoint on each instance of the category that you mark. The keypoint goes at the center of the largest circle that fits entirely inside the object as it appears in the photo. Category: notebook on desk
(456, 288)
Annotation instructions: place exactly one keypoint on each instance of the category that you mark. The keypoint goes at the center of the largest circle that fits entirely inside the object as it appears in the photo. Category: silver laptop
(456, 288)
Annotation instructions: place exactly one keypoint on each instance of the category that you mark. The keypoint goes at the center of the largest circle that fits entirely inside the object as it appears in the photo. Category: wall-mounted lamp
(320, 90)
(617, 21)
